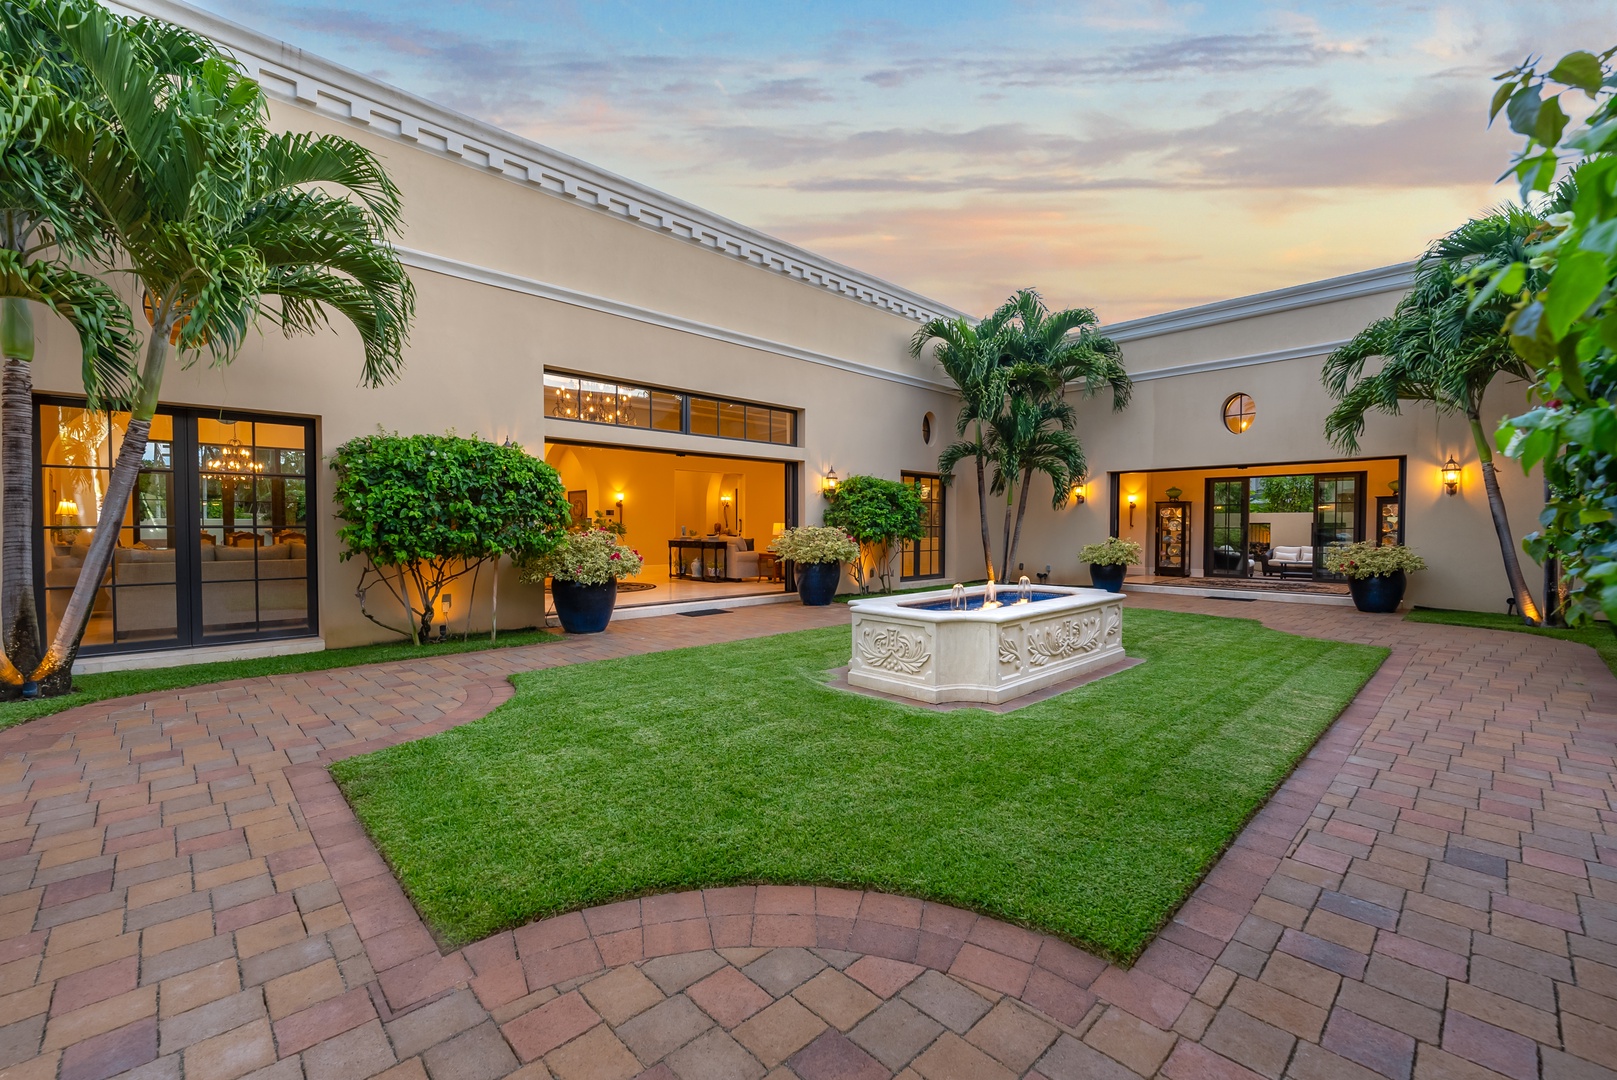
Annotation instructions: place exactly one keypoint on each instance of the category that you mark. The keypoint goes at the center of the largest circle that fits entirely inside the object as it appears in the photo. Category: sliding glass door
(216, 544)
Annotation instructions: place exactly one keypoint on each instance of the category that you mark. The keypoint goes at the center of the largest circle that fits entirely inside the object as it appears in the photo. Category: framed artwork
(579, 502)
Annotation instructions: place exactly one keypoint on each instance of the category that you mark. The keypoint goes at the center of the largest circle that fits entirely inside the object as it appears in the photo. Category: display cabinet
(1387, 517)
(1173, 539)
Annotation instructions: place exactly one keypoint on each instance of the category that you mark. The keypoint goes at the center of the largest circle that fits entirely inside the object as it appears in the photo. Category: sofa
(231, 599)
(741, 558)
(1288, 562)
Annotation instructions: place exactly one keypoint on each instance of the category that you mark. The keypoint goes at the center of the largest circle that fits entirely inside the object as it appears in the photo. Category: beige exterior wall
(478, 351)
(1175, 422)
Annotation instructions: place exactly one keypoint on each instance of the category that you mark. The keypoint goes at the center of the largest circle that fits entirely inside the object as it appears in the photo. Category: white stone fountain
(982, 644)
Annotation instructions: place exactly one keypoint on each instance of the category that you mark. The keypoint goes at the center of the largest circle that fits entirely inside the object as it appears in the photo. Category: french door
(1338, 515)
(215, 545)
(1228, 513)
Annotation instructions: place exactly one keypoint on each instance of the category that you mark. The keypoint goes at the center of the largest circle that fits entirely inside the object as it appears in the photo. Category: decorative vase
(1378, 595)
(583, 609)
(1108, 576)
(817, 582)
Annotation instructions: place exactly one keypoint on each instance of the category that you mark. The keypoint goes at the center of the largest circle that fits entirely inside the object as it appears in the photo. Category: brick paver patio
(1433, 893)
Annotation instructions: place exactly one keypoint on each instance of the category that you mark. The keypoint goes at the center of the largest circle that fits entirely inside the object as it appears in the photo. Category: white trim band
(499, 279)
(314, 83)
(1299, 352)
(1395, 278)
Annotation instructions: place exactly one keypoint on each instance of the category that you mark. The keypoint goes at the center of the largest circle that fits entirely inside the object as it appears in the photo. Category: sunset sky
(1129, 156)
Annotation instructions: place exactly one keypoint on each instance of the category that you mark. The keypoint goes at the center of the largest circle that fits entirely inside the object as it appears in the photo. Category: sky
(1133, 156)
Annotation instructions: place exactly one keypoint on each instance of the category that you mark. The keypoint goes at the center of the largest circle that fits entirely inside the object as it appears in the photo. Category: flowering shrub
(815, 544)
(588, 557)
(1112, 552)
(1365, 560)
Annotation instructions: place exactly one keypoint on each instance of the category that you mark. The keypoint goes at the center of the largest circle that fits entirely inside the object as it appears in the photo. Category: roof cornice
(314, 83)
(1395, 278)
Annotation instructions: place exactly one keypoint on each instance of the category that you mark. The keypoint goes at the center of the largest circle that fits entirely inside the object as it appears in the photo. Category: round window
(1239, 412)
(926, 429)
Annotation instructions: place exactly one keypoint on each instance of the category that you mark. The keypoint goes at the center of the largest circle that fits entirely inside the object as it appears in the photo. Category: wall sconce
(1451, 475)
(828, 485)
(1132, 500)
(1078, 496)
(619, 497)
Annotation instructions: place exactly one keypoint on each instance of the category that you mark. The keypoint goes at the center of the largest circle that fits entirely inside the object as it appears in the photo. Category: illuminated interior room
(703, 524)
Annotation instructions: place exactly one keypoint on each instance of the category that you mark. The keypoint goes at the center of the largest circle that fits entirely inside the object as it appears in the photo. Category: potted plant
(1109, 561)
(1376, 575)
(584, 572)
(819, 552)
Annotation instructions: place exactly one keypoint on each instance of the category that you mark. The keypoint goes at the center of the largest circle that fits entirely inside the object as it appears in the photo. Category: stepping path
(1432, 894)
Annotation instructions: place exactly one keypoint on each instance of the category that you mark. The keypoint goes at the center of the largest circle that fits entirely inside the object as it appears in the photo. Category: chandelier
(233, 457)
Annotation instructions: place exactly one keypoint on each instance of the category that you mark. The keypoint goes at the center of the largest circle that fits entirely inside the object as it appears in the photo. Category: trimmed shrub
(879, 514)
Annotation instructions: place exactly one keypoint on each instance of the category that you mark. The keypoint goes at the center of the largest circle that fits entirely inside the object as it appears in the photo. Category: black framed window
(923, 558)
(216, 544)
(592, 400)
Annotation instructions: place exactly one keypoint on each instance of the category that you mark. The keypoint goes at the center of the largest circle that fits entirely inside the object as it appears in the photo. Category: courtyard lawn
(1090, 815)
(111, 684)
(1598, 637)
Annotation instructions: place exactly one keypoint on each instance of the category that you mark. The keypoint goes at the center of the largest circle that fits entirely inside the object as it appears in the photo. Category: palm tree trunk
(19, 618)
(1010, 502)
(1021, 511)
(982, 505)
(1501, 526)
(54, 673)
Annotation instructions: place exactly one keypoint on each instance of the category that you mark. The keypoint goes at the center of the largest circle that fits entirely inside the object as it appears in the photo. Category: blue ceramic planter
(1109, 578)
(583, 609)
(817, 582)
(1379, 595)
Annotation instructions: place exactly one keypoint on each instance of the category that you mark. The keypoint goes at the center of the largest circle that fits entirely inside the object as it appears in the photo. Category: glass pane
(597, 401)
(665, 411)
(757, 423)
(561, 396)
(732, 420)
(74, 437)
(634, 407)
(704, 416)
(1228, 530)
(780, 427)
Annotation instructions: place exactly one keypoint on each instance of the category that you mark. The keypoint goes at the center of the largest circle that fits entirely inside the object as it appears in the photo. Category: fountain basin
(912, 647)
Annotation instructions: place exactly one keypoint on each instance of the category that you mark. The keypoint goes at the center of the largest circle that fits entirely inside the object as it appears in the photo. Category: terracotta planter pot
(1379, 595)
(583, 609)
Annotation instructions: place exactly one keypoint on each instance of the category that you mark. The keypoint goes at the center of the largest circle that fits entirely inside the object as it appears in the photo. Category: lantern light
(1451, 475)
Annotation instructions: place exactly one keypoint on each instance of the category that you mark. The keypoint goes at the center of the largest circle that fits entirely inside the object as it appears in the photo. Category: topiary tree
(880, 515)
(423, 510)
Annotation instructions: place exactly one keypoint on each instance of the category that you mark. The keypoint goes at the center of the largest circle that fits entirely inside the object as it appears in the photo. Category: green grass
(1598, 637)
(111, 684)
(1089, 815)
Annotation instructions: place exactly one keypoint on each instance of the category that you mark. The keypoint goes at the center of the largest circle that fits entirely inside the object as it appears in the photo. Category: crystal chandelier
(233, 457)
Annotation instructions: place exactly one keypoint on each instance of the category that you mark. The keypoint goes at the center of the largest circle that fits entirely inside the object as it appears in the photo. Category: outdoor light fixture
(1132, 500)
(1451, 475)
(444, 602)
(1078, 496)
(828, 485)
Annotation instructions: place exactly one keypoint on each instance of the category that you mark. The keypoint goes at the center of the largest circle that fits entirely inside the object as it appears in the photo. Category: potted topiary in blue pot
(1109, 562)
(1376, 576)
(584, 572)
(818, 552)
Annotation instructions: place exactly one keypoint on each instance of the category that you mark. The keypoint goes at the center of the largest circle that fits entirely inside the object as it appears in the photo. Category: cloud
(782, 94)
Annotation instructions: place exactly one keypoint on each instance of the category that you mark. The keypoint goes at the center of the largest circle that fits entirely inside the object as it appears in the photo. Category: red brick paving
(1432, 894)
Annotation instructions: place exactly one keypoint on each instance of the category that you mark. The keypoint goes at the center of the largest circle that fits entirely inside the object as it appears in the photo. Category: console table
(715, 555)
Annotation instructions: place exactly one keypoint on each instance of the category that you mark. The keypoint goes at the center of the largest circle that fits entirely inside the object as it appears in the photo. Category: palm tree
(970, 356)
(1439, 348)
(1047, 353)
(49, 223)
(220, 222)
